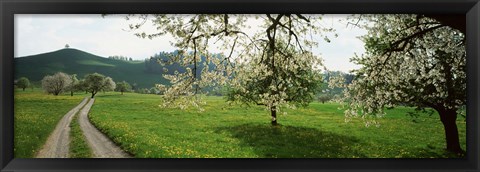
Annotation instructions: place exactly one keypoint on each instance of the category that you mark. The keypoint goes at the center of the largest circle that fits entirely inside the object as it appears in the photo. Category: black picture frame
(8, 8)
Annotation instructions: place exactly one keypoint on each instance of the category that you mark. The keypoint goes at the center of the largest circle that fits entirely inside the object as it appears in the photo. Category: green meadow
(140, 126)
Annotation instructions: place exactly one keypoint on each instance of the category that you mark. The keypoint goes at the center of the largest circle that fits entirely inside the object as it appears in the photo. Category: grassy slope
(36, 116)
(140, 126)
(74, 61)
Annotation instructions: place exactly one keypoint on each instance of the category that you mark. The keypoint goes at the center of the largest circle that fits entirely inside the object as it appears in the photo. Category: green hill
(73, 61)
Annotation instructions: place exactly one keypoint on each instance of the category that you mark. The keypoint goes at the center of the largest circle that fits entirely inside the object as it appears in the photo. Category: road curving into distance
(57, 144)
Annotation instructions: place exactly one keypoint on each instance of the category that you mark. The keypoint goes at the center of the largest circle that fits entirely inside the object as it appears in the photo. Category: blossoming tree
(56, 83)
(288, 79)
(254, 62)
(97, 82)
(414, 61)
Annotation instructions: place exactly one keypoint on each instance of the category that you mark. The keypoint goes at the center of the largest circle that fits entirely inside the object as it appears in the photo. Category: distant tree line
(23, 83)
(120, 58)
(91, 83)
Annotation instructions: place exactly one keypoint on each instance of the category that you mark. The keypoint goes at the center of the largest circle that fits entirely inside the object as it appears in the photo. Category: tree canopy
(23, 83)
(411, 61)
(97, 82)
(123, 87)
(73, 86)
(109, 84)
(288, 79)
(56, 84)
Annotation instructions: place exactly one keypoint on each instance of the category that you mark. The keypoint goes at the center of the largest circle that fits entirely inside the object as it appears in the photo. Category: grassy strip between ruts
(141, 127)
(36, 115)
(78, 143)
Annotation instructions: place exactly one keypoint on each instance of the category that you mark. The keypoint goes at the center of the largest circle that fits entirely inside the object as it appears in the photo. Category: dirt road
(102, 147)
(58, 142)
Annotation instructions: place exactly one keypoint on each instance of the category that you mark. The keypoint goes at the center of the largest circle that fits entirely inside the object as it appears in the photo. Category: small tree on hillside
(23, 83)
(97, 82)
(56, 84)
(123, 87)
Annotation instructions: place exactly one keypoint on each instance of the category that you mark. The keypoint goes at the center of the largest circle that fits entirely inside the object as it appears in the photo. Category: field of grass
(141, 127)
(36, 115)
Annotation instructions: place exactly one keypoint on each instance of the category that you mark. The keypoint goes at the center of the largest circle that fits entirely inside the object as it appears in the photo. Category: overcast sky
(41, 33)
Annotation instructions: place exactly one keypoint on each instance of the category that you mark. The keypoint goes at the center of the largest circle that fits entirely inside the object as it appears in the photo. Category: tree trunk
(23, 88)
(121, 92)
(273, 111)
(93, 94)
(449, 118)
(71, 93)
